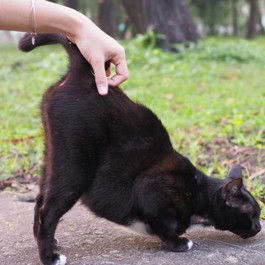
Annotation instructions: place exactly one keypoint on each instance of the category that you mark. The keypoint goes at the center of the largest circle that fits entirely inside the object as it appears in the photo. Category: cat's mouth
(245, 235)
(256, 227)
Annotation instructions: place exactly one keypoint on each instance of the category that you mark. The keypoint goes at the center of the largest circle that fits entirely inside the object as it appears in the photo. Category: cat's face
(238, 212)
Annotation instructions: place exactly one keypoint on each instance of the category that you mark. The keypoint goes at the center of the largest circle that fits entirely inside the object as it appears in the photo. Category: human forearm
(50, 17)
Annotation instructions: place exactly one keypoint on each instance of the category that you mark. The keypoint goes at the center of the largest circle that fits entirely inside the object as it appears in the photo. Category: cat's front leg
(169, 229)
(178, 244)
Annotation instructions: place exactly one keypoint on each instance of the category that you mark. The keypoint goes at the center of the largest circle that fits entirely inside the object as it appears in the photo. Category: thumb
(100, 76)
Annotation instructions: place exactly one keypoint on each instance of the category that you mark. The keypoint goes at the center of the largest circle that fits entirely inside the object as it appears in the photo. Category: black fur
(117, 157)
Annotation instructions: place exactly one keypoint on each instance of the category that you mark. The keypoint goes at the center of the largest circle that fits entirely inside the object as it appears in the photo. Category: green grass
(23, 79)
(211, 90)
(214, 83)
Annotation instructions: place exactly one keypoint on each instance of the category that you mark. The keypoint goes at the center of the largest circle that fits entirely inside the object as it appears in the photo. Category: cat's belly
(140, 227)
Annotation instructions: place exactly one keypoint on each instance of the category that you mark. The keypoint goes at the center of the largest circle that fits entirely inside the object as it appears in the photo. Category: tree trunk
(261, 27)
(170, 18)
(212, 18)
(72, 3)
(106, 19)
(253, 19)
(235, 17)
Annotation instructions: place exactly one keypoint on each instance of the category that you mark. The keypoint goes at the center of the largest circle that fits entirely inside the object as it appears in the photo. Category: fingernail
(103, 90)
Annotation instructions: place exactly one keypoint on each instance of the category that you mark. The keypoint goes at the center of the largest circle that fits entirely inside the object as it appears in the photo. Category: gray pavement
(88, 240)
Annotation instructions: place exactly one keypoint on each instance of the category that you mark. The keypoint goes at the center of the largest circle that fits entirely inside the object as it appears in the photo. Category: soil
(252, 159)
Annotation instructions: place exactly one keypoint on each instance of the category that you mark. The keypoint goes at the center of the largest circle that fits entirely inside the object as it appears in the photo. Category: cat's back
(76, 101)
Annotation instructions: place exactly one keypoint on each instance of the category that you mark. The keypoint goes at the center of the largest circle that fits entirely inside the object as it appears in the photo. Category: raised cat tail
(77, 61)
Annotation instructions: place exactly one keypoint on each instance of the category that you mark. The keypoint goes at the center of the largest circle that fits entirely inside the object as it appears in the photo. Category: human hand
(95, 45)
(98, 47)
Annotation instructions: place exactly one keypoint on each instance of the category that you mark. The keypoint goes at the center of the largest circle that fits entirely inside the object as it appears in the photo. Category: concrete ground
(88, 240)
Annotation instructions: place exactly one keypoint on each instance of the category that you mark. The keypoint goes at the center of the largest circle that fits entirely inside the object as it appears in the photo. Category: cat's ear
(234, 172)
(230, 192)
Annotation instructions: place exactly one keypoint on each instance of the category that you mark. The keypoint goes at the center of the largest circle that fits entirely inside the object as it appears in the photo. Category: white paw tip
(61, 261)
(190, 244)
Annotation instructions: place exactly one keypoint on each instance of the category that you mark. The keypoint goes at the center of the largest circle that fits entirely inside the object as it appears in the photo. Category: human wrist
(72, 22)
(76, 24)
(57, 18)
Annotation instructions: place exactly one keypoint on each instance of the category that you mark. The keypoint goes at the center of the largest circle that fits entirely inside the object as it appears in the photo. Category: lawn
(210, 97)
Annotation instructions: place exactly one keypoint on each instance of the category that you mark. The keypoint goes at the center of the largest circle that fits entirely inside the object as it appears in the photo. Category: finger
(100, 76)
(121, 74)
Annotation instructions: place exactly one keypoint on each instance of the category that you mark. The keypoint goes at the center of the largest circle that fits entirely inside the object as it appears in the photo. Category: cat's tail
(77, 61)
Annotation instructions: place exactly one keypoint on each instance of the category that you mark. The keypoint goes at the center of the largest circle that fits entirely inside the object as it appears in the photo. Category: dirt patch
(252, 159)
(21, 183)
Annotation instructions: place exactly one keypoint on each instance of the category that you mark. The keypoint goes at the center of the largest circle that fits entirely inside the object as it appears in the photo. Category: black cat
(117, 157)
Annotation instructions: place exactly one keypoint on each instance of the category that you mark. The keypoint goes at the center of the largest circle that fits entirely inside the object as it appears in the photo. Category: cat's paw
(190, 244)
(181, 244)
(61, 260)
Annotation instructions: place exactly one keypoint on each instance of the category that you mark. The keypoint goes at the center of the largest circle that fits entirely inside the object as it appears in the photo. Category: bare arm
(95, 45)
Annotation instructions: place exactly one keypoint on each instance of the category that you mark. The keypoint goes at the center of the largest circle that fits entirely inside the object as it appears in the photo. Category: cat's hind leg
(39, 203)
(61, 193)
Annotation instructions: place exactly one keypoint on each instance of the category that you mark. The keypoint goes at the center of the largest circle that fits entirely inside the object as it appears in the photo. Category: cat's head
(237, 210)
